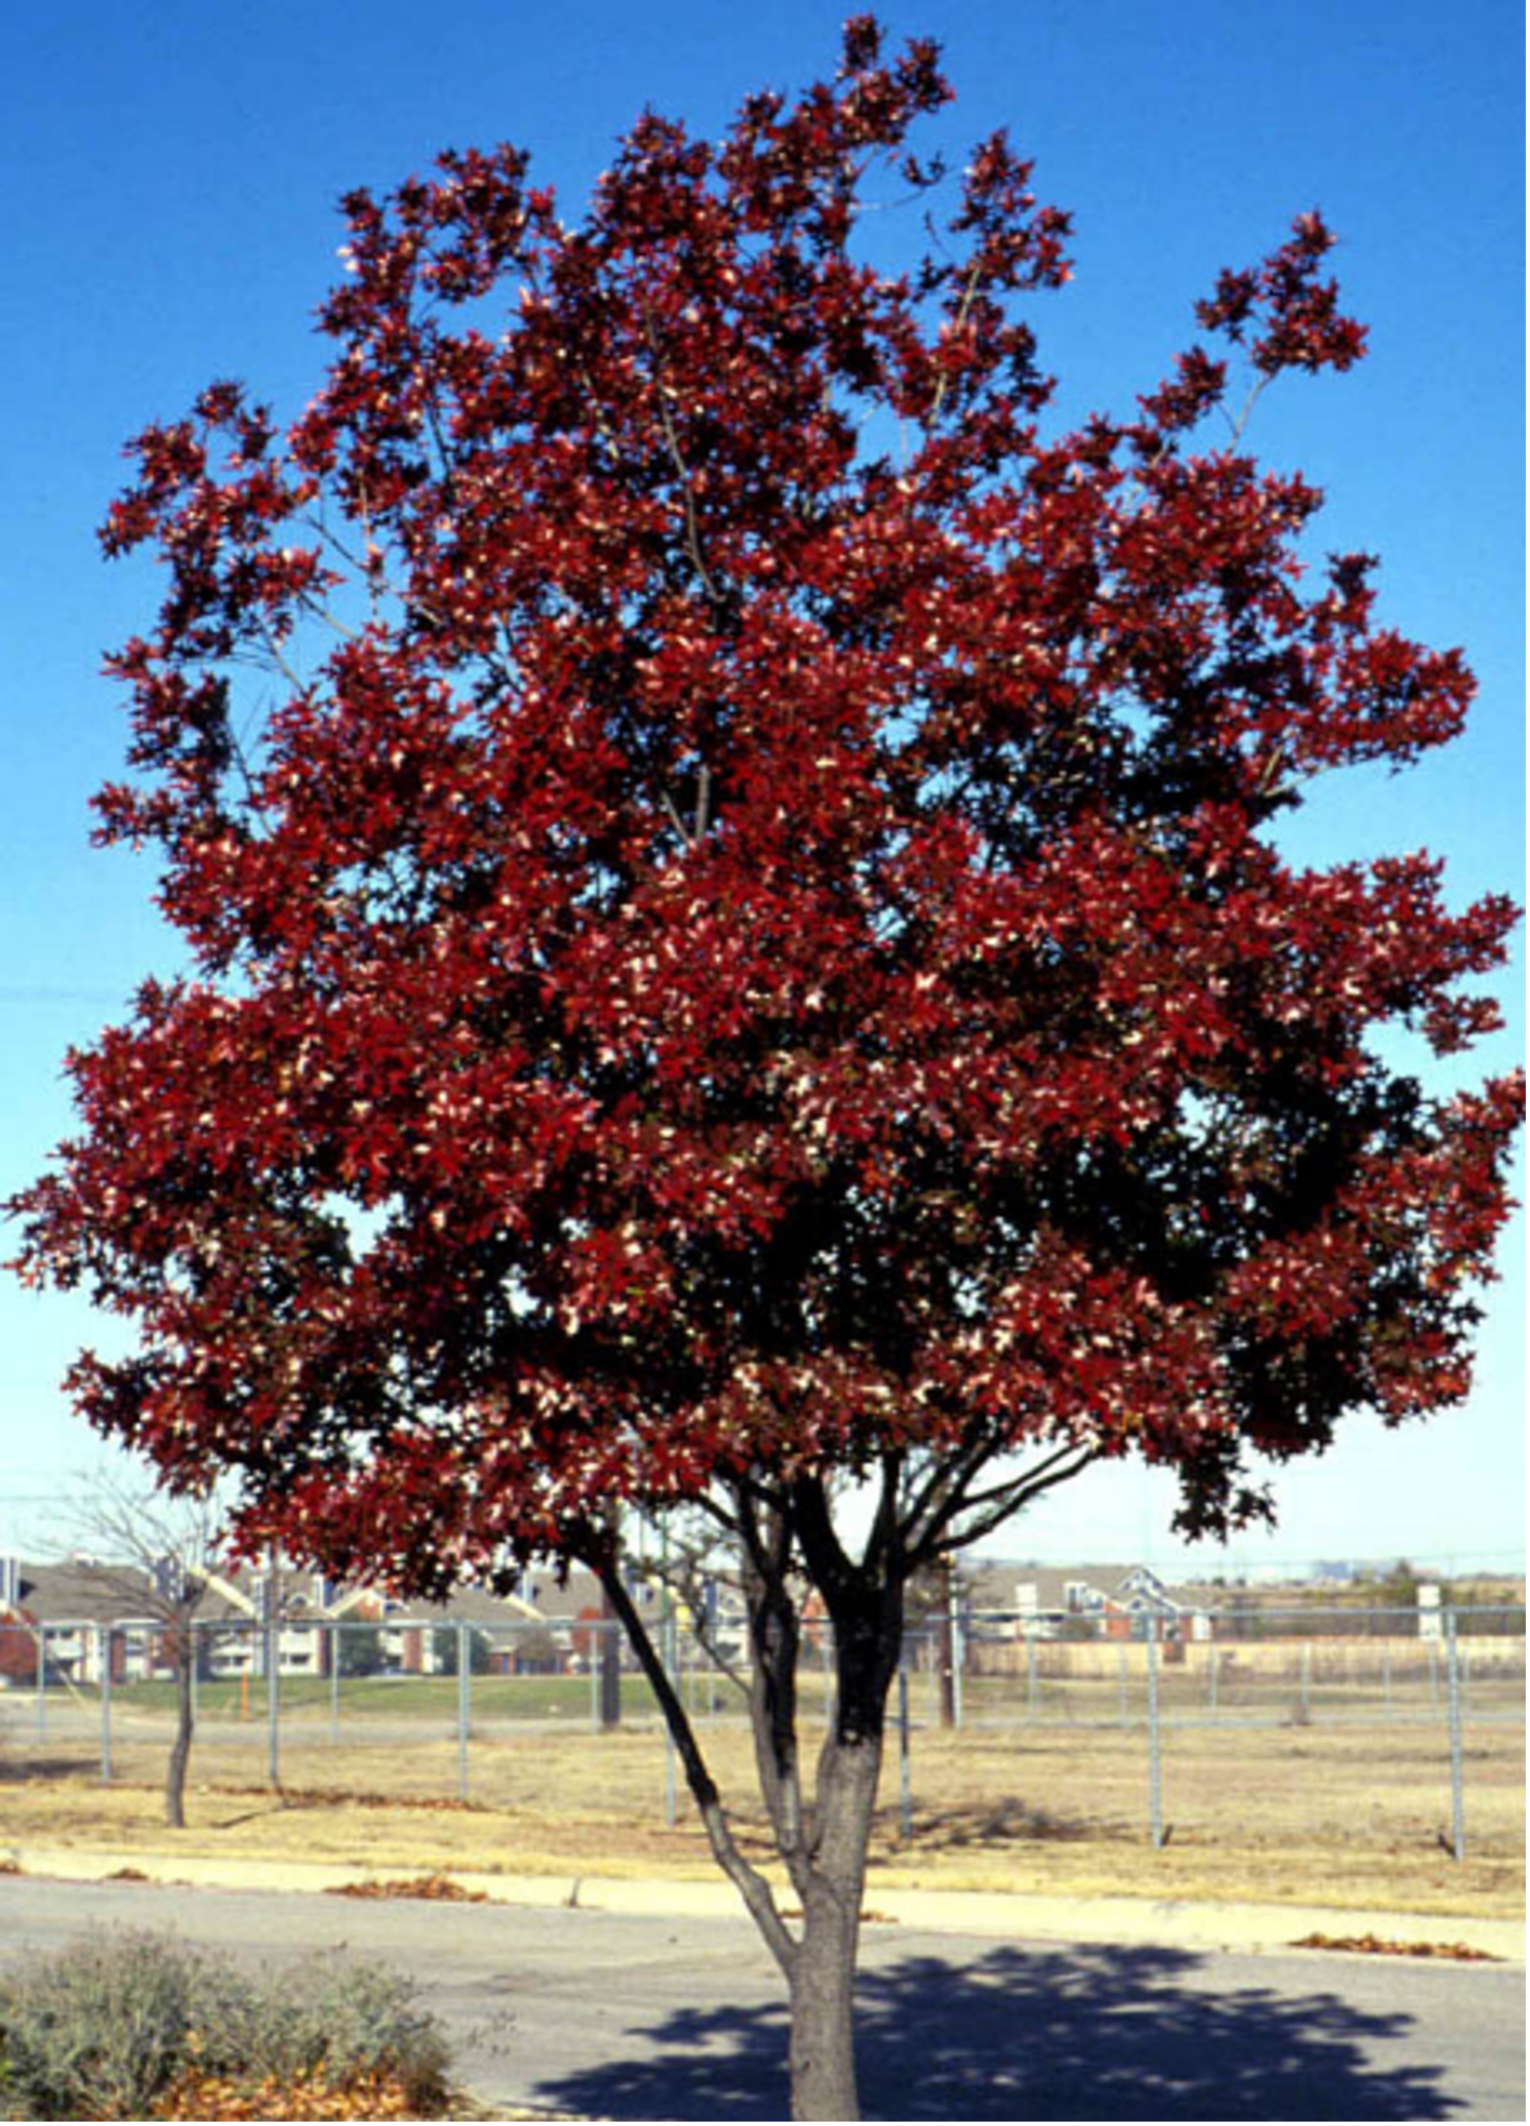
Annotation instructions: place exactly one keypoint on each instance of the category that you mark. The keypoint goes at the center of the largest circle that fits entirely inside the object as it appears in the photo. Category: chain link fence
(290, 1693)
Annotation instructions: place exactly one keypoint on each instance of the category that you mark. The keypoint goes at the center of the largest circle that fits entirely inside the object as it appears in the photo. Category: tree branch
(885, 1535)
(964, 309)
(948, 1477)
(751, 1885)
(775, 1643)
(692, 525)
(1006, 1500)
(686, 1572)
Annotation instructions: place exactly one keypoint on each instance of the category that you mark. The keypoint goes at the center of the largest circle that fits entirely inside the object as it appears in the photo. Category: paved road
(634, 2018)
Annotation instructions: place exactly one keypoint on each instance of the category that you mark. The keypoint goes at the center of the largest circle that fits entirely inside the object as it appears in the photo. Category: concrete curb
(1167, 1923)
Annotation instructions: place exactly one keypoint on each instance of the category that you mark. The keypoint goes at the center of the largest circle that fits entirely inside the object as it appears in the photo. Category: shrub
(333, 2022)
(131, 2026)
(98, 2030)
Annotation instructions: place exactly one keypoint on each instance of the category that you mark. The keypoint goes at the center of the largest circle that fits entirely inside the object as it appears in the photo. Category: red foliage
(752, 936)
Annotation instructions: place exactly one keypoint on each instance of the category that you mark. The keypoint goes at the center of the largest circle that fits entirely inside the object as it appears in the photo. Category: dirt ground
(1344, 1816)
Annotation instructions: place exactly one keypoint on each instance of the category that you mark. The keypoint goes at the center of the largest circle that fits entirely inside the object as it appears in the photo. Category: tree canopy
(738, 931)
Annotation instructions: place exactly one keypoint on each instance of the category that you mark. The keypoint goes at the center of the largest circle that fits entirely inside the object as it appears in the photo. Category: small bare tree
(156, 1553)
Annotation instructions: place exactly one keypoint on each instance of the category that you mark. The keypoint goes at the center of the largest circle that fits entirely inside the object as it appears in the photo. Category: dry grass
(1338, 1816)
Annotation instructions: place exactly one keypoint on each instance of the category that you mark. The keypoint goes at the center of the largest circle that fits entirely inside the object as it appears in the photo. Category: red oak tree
(738, 941)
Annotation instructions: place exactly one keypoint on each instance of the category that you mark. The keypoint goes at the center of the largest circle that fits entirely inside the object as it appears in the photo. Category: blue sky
(170, 172)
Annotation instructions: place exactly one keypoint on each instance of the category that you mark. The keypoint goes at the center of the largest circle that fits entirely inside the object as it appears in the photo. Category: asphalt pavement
(629, 2015)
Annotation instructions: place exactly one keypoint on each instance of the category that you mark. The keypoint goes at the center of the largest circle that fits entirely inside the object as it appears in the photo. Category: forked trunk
(823, 1844)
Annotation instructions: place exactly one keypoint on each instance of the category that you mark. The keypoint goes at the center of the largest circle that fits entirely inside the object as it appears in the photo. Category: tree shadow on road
(1084, 2033)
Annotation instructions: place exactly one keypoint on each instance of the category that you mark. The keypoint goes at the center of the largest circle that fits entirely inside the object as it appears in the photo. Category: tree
(741, 956)
(158, 1553)
(444, 1651)
(1397, 1587)
(361, 1652)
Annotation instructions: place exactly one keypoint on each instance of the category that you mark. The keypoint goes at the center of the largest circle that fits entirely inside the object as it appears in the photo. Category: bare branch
(964, 311)
(1237, 423)
(751, 1885)
(146, 1531)
(675, 820)
(686, 1572)
(775, 1643)
(948, 1475)
(1005, 1500)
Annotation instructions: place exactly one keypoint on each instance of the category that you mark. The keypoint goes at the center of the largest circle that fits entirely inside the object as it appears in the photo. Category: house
(64, 1611)
(89, 1610)
(1030, 1601)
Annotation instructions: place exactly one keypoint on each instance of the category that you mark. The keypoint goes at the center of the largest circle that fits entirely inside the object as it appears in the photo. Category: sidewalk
(1078, 1919)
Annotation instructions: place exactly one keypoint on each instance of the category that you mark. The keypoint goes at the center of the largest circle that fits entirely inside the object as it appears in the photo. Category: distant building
(93, 1609)
(1097, 1601)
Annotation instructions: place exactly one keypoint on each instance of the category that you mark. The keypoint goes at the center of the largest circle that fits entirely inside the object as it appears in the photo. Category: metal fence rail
(78, 1694)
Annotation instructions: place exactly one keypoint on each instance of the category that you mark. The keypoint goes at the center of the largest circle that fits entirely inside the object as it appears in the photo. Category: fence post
(1215, 1652)
(958, 1651)
(273, 1702)
(1030, 1676)
(670, 1808)
(333, 1628)
(905, 1782)
(1457, 1782)
(610, 1668)
(464, 1706)
(104, 1642)
(1121, 1685)
(1155, 1747)
(42, 1682)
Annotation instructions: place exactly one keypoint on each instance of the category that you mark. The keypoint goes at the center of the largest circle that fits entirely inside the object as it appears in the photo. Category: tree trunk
(180, 1748)
(823, 1844)
(823, 2077)
(609, 1655)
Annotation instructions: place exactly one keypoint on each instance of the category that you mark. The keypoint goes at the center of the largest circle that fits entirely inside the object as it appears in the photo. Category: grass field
(1092, 1683)
(1353, 1813)
(424, 1699)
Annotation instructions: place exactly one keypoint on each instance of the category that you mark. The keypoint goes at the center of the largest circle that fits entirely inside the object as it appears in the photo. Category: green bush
(98, 2030)
(101, 2029)
(344, 2021)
